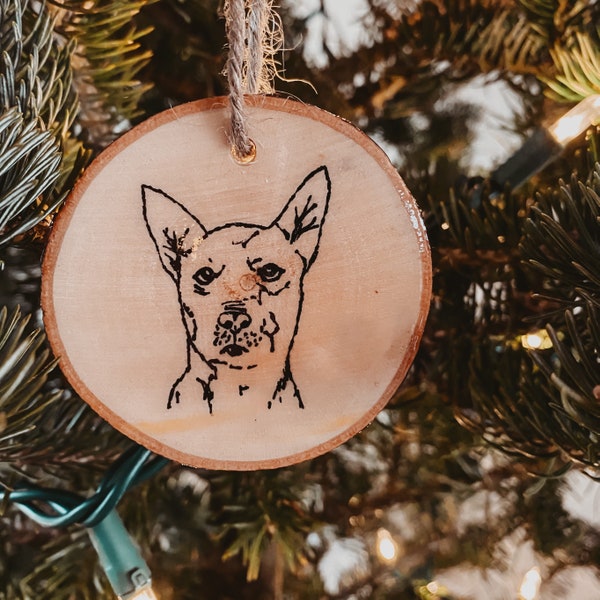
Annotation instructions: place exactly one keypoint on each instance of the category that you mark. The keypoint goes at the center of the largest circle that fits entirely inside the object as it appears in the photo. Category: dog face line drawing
(239, 287)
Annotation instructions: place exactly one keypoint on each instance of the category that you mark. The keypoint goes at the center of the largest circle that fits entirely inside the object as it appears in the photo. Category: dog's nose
(234, 320)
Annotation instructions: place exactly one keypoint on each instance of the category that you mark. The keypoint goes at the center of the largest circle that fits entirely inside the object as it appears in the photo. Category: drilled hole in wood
(244, 159)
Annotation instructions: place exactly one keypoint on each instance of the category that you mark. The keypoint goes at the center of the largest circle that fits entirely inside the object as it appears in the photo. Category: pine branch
(34, 410)
(106, 63)
(572, 385)
(547, 412)
(577, 65)
(31, 159)
(35, 65)
(79, 575)
(24, 369)
(553, 19)
(39, 159)
(267, 512)
(415, 56)
(562, 242)
(187, 43)
(508, 406)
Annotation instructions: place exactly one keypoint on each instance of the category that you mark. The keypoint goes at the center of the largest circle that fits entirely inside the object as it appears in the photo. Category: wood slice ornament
(238, 315)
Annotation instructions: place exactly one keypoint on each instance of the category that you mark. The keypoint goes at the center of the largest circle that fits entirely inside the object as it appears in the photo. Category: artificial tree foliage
(479, 415)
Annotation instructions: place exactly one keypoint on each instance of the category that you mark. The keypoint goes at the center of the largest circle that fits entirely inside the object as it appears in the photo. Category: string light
(433, 587)
(530, 586)
(387, 548)
(545, 145)
(121, 560)
(143, 594)
(536, 340)
(433, 591)
(576, 121)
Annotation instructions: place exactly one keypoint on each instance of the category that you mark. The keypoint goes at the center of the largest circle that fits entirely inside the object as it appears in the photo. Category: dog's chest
(238, 393)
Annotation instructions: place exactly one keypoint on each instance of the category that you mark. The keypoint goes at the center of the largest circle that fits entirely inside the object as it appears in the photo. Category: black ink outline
(173, 248)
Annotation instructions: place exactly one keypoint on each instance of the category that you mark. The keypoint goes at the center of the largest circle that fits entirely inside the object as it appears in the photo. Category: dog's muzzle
(231, 324)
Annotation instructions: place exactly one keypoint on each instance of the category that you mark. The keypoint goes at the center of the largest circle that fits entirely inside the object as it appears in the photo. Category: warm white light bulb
(530, 586)
(387, 548)
(577, 120)
(536, 340)
(533, 341)
(144, 593)
(433, 587)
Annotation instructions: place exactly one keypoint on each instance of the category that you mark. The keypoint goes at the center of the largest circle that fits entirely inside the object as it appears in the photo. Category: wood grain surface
(238, 316)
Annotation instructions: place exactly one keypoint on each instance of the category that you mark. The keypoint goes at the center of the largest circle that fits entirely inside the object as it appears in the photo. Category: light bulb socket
(119, 556)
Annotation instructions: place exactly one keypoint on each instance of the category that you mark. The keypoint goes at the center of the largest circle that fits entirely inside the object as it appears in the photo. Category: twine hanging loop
(254, 36)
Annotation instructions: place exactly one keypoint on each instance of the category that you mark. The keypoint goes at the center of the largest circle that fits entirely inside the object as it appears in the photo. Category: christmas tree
(459, 488)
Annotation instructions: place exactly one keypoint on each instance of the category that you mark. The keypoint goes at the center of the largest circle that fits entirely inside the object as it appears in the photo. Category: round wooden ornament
(238, 315)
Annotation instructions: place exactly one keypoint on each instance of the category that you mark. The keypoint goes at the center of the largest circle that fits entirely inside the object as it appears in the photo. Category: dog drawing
(239, 287)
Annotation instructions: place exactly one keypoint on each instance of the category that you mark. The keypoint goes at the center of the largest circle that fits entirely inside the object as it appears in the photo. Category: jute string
(254, 36)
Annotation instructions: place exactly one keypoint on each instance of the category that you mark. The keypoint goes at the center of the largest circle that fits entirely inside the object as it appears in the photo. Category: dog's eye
(270, 272)
(205, 275)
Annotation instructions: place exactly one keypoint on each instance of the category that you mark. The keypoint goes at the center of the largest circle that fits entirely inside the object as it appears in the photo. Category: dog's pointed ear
(301, 221)
(173, 229)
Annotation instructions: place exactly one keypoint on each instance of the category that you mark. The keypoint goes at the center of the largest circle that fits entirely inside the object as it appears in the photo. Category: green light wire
(119, 556)
(51, 507)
